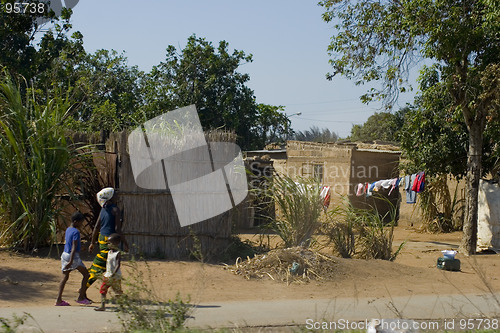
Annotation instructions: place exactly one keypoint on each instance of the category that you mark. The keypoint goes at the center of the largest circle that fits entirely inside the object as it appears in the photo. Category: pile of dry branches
(294, 264)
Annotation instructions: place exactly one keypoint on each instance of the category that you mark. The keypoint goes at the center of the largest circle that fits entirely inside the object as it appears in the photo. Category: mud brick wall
(304, 157)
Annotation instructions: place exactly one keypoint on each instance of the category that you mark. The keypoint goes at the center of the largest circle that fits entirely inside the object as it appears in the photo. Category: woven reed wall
(150, 221)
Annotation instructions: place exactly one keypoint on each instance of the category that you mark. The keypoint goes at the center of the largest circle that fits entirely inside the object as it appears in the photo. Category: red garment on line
(419, 183)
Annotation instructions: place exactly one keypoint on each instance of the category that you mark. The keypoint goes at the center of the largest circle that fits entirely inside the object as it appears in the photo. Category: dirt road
(410, 287)
(430, 311)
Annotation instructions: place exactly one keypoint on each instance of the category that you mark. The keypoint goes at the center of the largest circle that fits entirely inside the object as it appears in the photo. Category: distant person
(113, 275)
(108, 223)
(70, 260)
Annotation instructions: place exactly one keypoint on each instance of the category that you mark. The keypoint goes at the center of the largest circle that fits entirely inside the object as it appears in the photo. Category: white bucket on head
(450, 254)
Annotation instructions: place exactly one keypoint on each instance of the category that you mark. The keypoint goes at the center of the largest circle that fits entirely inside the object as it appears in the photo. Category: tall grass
(141, 309)
(376, 232)
(15, 324)
(339, 227)
(299, 207)
(362, 233)
(34, 158)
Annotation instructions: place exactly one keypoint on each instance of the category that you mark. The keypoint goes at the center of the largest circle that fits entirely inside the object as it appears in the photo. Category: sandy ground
(27, 281)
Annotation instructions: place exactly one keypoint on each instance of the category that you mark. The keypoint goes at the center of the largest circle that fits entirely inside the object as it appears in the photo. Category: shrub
(339, 228)
(299, 206)
(141, 309)
(15, 324)
(34, 159)
(362, 233)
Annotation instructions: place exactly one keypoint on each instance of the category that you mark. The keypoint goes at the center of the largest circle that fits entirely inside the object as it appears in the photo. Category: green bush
(34, 159)
(141, 309)
(339, 228)
(299, 207)
(362, 233)
(13, 325)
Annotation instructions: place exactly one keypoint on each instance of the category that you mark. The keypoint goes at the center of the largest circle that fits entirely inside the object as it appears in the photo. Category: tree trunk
(469, 239)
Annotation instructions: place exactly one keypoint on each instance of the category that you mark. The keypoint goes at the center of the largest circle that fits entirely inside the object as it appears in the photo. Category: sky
(287, 38)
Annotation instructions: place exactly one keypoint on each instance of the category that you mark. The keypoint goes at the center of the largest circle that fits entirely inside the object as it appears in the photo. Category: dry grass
(289, 265)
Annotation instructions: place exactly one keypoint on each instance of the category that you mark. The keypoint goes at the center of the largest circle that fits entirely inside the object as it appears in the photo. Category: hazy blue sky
(287, 38)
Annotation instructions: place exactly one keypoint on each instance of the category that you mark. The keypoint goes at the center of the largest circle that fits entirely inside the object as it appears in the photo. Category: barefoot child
(70, 260)
(113, 275)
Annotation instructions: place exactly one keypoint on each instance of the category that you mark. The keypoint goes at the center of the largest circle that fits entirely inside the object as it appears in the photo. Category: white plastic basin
(450, 254)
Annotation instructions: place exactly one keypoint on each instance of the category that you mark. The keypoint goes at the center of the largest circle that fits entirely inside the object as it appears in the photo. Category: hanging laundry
(325, 195)
(378, 185)
(419, 183)
(369, 192)
(394, 184)
(375, 186)
(387, 183)
(360, 190)
(411, 196)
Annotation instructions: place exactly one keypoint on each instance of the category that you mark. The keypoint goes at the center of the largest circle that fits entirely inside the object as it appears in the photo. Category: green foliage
(339, 229)
(315, 134)
(103, 87)
(299, 206)
(104, 117)
(109, 95)
(434, 136)
(207, 76)
(12, 325)
(381, 40)
(272, 124)
(109, 92)
(362, 233)
(375, 235)
(196, 251)
(141, 309)
(373, 42)
(384, 126)
(35, 157)
(17, 33)
(441, 212)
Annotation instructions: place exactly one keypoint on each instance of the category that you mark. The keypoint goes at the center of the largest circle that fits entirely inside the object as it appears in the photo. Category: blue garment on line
(411, 196)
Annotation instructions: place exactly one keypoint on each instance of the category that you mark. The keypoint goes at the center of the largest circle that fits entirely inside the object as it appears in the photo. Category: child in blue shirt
(70, 260)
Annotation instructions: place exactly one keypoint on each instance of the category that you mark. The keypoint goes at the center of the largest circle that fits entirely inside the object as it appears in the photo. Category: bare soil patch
(33, 280)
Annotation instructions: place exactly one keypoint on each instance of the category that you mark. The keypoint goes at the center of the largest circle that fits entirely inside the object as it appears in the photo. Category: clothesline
(413, 184)
(325, 193)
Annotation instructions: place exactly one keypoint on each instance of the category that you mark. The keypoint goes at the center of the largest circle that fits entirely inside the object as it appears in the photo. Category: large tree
(17, 33)
(103, 89)
(383, 126)
(108, 92)
(208, 76)
(380, 40)
(315, 134)
(272, 125)
(434, 136)
(19, 51)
